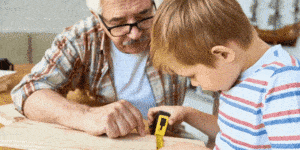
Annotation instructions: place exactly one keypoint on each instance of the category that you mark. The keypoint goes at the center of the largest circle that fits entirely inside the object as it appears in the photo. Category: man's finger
(123, 126)
(112, 130)
(141, 130)
(128, 116)
(137, 116)
(140, 123)
(139, 119)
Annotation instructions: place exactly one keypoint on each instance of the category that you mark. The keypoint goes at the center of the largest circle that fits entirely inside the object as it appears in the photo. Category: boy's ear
(223, 53)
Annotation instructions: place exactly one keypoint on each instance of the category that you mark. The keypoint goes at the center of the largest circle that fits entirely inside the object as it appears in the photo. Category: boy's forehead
(174, 67)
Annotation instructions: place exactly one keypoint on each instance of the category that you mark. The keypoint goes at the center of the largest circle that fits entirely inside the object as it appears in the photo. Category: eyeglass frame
(130, 24)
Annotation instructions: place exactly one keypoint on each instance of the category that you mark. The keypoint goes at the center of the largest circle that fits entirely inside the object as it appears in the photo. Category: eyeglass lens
(122, 30)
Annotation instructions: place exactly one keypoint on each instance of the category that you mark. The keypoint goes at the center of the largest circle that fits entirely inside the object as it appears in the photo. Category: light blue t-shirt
(130, 79)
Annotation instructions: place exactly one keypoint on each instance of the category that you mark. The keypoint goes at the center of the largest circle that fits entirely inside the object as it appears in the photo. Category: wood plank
(27, 134)
(8, 148)
(23, 133)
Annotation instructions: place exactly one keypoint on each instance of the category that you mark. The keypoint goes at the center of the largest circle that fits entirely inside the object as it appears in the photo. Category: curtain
(275, 20)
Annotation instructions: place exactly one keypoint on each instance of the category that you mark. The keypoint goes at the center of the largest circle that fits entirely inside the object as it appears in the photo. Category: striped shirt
(80, 57)
(263, 110)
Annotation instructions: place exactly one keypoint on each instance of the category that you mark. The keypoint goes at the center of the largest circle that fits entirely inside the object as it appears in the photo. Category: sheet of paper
(9, 115)
(6, 72)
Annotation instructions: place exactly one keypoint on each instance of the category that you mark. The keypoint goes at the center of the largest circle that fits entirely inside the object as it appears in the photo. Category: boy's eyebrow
(170, 71)
(116, 19)
(190, 76)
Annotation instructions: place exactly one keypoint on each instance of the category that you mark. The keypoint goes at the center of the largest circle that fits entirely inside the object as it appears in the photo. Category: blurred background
(277, 21)
(28, 27)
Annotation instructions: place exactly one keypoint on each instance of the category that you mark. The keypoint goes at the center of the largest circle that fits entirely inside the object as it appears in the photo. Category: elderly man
(106, 56)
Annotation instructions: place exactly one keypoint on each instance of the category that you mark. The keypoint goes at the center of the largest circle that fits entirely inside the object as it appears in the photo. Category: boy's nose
(195, 83)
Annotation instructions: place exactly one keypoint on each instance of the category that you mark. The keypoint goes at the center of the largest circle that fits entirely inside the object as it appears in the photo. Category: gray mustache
(144, 38)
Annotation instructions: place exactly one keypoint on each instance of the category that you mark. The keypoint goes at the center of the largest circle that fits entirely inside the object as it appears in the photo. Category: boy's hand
(177, 114)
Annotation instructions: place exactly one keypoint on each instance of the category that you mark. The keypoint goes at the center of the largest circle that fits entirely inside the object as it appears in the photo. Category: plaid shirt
(80, 58)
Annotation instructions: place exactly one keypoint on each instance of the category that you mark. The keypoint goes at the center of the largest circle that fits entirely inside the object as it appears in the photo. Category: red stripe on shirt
(246, 144)
(244, 123)
(282, 113)
(293, 60)
(29, 88)
(57, 55)
(48, 69)
(274, 63)
(26, 89)
(283, 87)
(243, 101)
(256, 81)
(51, 65)
(285, 138)
(61, 44)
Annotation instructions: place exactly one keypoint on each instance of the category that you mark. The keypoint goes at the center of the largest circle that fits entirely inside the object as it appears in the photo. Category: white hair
(95, 5)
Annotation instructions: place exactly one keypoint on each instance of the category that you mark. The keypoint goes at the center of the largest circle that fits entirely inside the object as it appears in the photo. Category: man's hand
(177, 114)
(115, 119)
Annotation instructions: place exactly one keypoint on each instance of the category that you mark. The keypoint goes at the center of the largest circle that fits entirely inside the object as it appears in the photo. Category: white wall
(50, 16)
(40, 15)
(53, 16)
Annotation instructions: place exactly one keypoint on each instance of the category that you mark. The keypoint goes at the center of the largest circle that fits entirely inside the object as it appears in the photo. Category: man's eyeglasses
(124, 29)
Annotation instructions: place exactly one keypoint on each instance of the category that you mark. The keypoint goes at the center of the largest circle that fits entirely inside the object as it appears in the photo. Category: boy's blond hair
(188, 29)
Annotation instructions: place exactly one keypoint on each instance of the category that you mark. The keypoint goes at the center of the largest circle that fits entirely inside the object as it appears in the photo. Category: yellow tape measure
(162, 119)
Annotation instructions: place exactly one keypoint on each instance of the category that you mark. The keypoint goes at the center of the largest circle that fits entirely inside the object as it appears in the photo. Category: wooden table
(23, 133)
(5, 98)
(21, 71)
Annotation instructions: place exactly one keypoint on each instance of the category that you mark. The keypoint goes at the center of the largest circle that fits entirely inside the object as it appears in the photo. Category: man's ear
(94, 14)
(223, 53)
(97, 17)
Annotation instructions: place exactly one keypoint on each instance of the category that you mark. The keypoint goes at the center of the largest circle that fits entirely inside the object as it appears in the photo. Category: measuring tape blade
(159, 141)
(161, 128)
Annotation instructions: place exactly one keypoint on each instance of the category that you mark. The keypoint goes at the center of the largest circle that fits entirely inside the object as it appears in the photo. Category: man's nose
(135, 33)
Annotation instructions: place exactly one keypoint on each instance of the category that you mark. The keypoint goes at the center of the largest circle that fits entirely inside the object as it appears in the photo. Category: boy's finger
(171, 121)
(150, 116)
(151, 113)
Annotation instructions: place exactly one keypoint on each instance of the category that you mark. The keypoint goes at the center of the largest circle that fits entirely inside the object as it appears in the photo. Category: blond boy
(213, 43)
